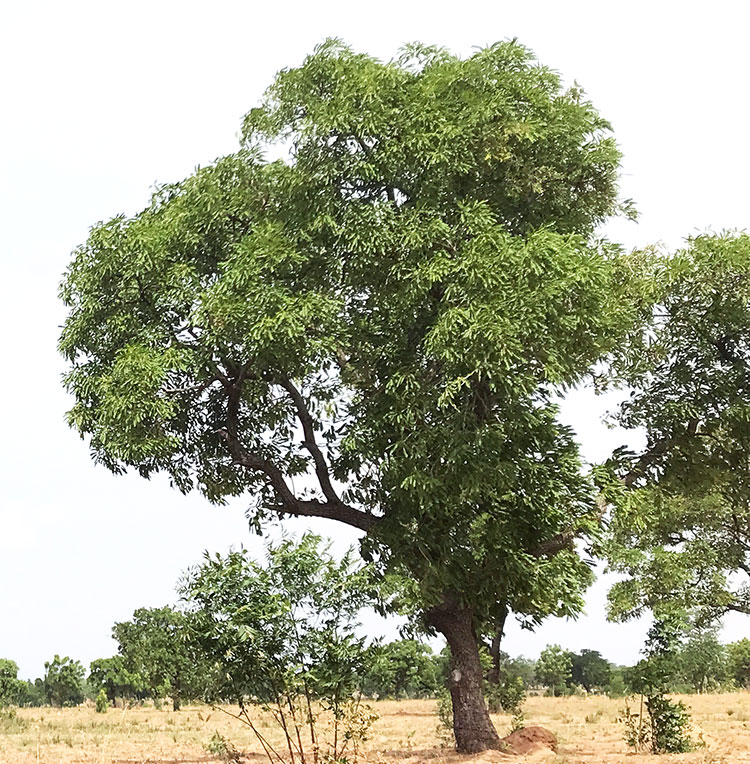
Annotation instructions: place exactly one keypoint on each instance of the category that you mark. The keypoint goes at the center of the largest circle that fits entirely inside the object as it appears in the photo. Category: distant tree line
(287, 631)
(159, 657)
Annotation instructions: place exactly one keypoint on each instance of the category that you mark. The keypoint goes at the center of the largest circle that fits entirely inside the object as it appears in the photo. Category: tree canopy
(63, 681)
(159, 654)
(11, 687)
(681, 531)
(391, 311)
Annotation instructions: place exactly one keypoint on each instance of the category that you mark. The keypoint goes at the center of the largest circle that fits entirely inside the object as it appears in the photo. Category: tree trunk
(472, 726)
(494, 675)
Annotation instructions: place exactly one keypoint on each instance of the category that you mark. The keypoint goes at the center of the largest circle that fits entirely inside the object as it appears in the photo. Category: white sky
(100, 100)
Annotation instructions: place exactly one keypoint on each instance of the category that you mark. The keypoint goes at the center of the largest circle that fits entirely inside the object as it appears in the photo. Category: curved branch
(290, 504)
(556, 544)
(310, 443)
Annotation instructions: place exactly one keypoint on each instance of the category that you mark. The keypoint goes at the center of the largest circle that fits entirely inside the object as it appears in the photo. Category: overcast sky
(100, 100)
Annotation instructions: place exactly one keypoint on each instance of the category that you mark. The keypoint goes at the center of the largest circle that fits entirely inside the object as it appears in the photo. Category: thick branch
(306, 420)
(566, 539)
(290, 504)
(555, 544)
(638, 470)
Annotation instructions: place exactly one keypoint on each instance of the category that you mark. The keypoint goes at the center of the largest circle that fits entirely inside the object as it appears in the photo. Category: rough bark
(472, 726)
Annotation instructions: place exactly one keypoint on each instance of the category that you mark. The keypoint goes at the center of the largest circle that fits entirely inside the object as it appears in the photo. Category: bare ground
(406, 733)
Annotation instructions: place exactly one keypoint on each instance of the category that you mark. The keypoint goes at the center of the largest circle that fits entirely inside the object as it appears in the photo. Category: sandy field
(406, 732)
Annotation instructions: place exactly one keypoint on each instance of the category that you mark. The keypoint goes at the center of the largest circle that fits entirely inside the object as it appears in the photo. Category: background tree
(590, 670)
(63, 681)
(680, 532)
(113, 676)
(739, 662)
(404, 668)
(392, 311)
(553, 669)
(33, 693)
(11, 687)
(704, 661)
(158, 646)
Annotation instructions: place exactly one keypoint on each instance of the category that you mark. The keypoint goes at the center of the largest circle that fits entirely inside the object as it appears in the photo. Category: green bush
(670, 725)
(507, 696)
(102, 702)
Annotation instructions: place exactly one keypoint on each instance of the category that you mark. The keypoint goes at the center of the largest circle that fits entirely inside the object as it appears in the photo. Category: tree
(63, 681)
(739, 662)
(158, 646)
(283, 635)
(590, 670)
(392, 311)
(33, 693)
(680, 532)
(704, 661)
(113, 676)
(405, 668)
(553, 669)
(523, 668)
(11, 687)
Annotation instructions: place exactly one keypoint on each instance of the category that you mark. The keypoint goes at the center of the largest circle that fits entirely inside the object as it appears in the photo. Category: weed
(10, 722)
(218, 745)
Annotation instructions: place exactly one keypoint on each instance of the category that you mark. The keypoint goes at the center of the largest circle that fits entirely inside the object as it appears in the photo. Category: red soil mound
(529, 739)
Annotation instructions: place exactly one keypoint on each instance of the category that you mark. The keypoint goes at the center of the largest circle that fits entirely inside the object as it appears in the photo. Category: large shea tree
(375, 329)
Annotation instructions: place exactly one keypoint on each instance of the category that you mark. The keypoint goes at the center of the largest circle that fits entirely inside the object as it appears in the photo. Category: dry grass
(405, 733)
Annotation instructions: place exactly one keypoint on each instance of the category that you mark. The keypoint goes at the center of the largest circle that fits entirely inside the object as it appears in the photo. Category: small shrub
(664, 727)
(517, 721)
(445, 721)
(507, 696)
(102, 702)
(10, 722)
(219, 746)
(670, 725)
(637, 727)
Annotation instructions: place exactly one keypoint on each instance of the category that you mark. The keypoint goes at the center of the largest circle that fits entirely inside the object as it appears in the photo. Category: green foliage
(11, 687)
(616, 687)
(113, 676)
(739, 662)
(102, 702)
(506, 684)
(405, 668)
(705, 665)
(590, 670)
(553, 669)
(670, 725)
(63, 682)
(517, 721)
(158, 653)
(415, 285)
(283, 636)
(680, 534)
(667, 729)
(507, 695)
(522, 668)
(33, 694)
(219, 746)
